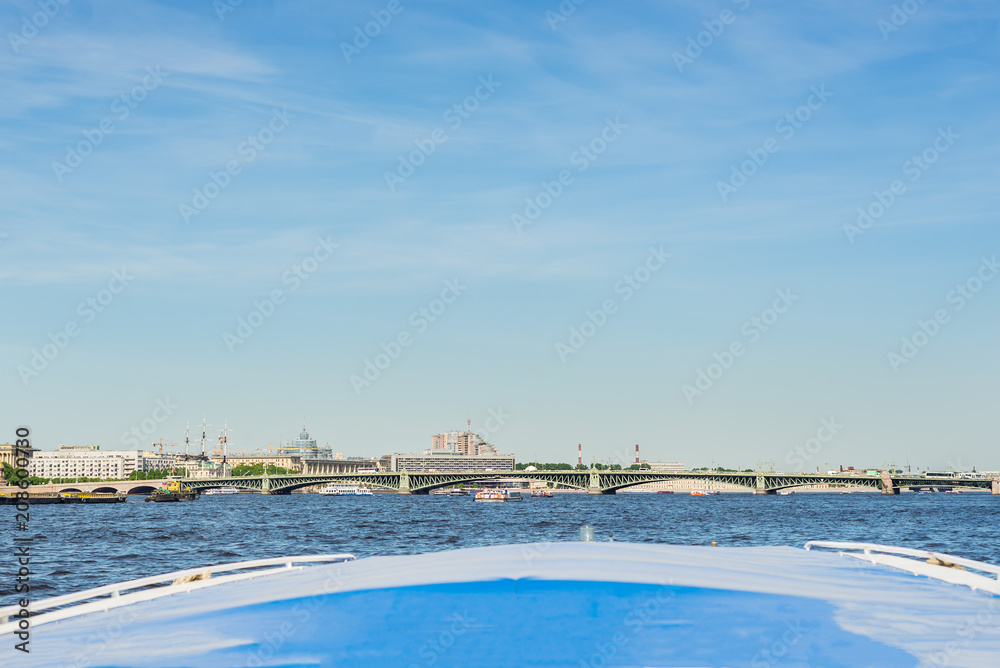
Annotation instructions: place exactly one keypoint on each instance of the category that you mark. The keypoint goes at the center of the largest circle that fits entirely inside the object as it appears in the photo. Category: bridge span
(593, 481)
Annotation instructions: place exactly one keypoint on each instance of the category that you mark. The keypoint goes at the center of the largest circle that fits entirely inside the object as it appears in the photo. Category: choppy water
(77, 547)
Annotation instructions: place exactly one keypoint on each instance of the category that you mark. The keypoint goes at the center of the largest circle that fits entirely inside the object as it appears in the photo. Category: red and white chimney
(579, 454)
(636, 453)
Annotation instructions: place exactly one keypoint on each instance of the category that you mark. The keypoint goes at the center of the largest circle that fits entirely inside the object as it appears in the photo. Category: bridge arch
(69, 489)
(106, 490)
(141, 489)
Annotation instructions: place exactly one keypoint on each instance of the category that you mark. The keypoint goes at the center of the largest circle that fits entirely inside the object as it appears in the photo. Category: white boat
(335, 489)
(497, 496)
(591, 604)
(220, 490)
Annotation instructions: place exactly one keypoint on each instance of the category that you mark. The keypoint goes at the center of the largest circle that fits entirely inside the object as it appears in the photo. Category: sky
(736, 233)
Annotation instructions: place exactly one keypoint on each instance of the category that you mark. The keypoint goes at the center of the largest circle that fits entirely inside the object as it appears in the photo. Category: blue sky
(641, 127)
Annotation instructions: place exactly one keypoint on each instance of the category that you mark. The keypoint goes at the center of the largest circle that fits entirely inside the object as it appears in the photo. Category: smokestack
(636, 453)
(579, 453)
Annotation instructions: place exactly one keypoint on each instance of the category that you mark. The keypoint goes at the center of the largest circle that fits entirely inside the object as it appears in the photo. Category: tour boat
(541, 494)
(701, 492)
(334, 489)
(221, 490)
(497, 495)
(587, 604)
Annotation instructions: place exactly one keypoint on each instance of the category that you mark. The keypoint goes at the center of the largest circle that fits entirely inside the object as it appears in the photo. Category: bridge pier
(995, 486)
(887, 487)
(760, 486)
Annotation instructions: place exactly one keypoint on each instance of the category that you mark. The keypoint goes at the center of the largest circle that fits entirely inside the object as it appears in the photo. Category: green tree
(258, 470)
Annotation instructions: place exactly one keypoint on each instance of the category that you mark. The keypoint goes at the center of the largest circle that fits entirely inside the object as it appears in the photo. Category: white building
(89, 461)
(209, 469)
(663, 467)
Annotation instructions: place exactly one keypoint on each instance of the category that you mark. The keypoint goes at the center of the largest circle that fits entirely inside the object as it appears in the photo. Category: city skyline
(608, 455)
(711, 230)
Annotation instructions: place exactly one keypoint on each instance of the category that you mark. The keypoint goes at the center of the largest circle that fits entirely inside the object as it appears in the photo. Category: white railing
(938, 565)
(154, 586)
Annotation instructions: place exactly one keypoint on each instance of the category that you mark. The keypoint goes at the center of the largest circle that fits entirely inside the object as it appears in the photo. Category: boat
(785, 492)
(336, 489)
(701, 492)
(221, 490)
(542, 494)
(62, 498)
(665, 491)
(454, 491)
(497, 495)
(591, 604)
(172, 491)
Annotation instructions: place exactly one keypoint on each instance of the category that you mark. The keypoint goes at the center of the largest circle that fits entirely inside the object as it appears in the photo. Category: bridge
(592, 481)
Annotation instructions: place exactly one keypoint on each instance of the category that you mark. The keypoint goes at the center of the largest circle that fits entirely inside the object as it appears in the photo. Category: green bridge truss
(593, 481)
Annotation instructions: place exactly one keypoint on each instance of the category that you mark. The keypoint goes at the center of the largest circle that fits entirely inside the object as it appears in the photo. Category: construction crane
(187, 446)
(160, 443)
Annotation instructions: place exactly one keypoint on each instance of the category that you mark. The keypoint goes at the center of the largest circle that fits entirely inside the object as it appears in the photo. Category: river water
(78, 547)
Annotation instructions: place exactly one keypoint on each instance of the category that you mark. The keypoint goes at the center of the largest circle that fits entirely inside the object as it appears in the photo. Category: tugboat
(173, 491)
